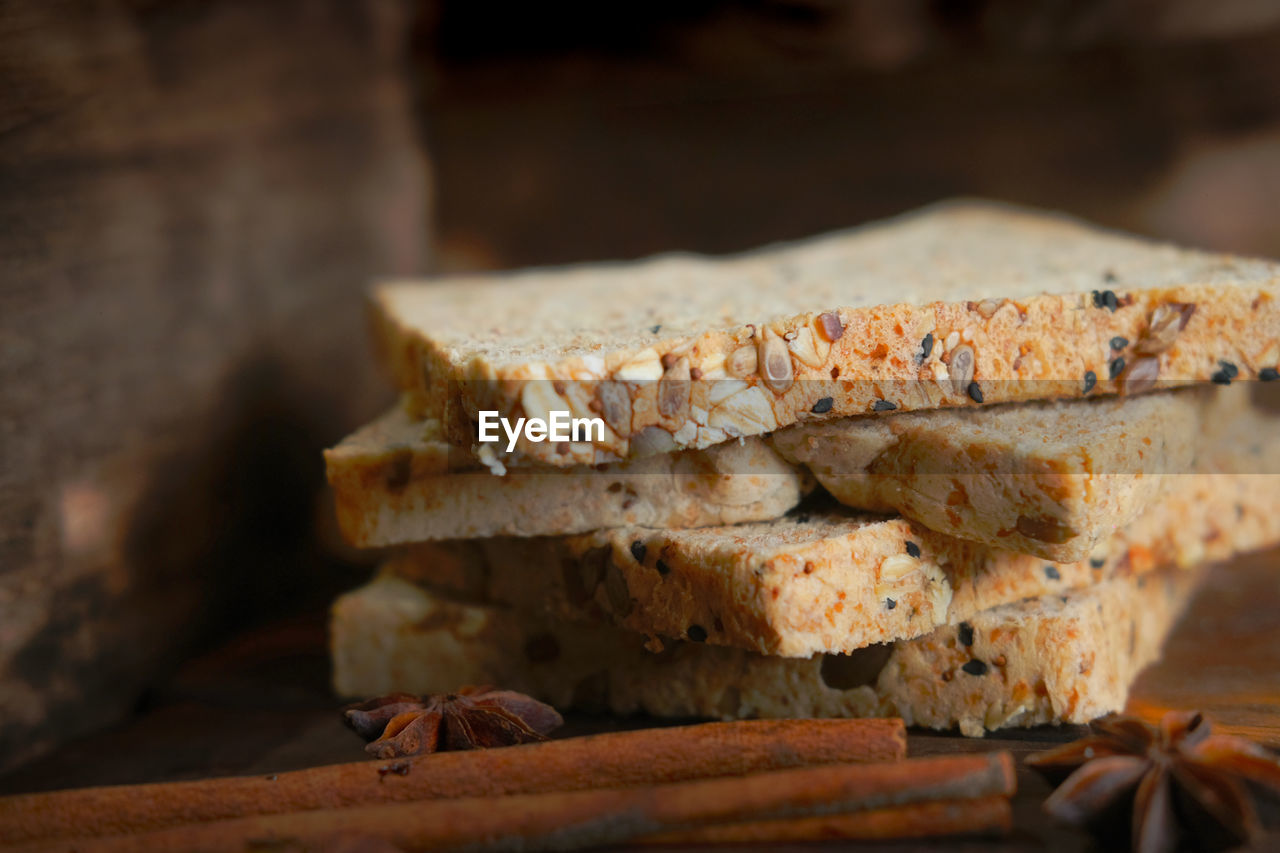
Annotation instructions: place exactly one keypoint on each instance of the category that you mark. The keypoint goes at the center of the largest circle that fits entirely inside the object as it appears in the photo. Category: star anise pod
(402, 724)
(1161, 786)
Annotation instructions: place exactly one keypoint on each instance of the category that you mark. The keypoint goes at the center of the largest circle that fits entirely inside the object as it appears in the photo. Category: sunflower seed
(896, 567)
(1140, 376)
(960, 368)
(644, 365)
(987, 307)
(1166, 322)
(774, 362)
(829, 327)
(615, 406)
(539, 399)
(809, 348)
(673, 390)
(747, 412)
(742, 363)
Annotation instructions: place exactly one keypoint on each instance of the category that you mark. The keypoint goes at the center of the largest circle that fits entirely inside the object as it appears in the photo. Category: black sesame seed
(1221, 377)
(883, 406)
(637, 551)
(1109, 299)
(975, 391)
(1052, 573)
(1119, 343)
(913, 550)
(1269, 374)
(889, 603)
(926, 346)
(663, 568)
(1097, 562)
(966, 634)
(697, 633)
(1109, 277)
(656, 329)
(1098, 301)
(823, 406)
(1116, 368)
(975, 667)
(1229, 368)
(1090, 379)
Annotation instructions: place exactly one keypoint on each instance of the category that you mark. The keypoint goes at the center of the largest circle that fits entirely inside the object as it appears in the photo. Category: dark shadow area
(560, 136)
(244, 513)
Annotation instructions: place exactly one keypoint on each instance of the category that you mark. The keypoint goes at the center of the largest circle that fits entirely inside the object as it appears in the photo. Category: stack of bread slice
(963, 467)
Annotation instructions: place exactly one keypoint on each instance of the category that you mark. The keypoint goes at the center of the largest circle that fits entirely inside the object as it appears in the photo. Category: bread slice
(1049, 479)
(957, 304)
(396, 480)
(1055, 659)
(831, 581)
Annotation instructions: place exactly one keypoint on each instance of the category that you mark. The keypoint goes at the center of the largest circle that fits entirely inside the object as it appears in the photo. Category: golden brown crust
(1050, 660)
(1022, 304)
(836, 581)
(397, 481)
(1049, 479)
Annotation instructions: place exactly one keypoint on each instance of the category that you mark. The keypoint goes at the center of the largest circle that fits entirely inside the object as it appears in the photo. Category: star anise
(1161, 786)
(401, 724)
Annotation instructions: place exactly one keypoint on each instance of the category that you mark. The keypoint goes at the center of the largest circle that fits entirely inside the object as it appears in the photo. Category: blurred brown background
(194, 193)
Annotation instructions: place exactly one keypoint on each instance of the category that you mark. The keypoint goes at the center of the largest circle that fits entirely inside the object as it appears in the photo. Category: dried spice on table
(1166, 786)
(402, 724)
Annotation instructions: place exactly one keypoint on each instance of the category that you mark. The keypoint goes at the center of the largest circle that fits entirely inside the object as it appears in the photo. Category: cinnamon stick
(987, 816)
(620, 759)
(577, 819)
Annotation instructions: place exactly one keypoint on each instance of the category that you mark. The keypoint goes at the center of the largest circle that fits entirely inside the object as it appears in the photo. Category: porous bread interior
(1058, 658)
(1093, 436)
(1077, 468)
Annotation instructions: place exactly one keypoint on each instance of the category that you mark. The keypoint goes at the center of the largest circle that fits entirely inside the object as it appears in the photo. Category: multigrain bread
(958, 304)
(396, 480)
(831, 581)
(1049, 479)
(1055, 659)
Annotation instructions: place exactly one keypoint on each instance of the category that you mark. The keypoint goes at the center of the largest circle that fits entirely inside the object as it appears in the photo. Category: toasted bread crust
(1056, 659)
(957, 305)
(835, 581)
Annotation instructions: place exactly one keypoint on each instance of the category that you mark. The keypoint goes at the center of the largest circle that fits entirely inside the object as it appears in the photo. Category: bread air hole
(857, 669)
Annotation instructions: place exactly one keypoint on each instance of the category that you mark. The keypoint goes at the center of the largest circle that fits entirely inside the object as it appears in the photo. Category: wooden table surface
(261, 705)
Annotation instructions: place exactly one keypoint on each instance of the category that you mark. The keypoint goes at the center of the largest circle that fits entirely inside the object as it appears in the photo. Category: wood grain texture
(192, 199)
(1223, 657)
